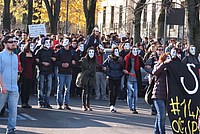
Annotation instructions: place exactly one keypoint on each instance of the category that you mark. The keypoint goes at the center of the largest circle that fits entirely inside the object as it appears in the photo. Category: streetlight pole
(67, 16)
(165, 28)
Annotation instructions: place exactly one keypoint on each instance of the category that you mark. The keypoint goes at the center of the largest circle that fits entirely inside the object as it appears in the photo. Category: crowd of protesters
(50, 64)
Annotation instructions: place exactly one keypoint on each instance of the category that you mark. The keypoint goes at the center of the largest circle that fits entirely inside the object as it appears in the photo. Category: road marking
(29, 117)
(19, 117)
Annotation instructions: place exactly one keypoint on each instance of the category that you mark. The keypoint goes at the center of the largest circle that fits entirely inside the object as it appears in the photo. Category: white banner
(37, 29)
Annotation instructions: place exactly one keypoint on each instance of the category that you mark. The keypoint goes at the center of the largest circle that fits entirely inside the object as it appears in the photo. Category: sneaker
(12, 131)
(104, 98)
(89, 109)
(112, 109)
(48, 106)
(84, 108)
(131, 110)
(134, 111)
(59, 107)
(66, 106)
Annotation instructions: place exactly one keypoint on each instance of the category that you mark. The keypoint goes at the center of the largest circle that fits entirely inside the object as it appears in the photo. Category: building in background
(117, 16)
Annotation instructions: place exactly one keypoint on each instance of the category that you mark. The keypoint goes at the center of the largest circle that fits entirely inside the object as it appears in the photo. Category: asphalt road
(99, 121)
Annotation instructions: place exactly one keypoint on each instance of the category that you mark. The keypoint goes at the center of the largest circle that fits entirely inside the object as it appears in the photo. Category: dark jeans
(44, 94)
(74, 91)
(86, 94)
(25, 90)
(114, 86)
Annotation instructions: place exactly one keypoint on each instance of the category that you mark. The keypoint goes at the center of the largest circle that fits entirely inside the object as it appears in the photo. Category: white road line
(19, 117)
(29, 117)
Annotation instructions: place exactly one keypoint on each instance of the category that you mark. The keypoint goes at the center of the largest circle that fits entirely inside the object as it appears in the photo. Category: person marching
(133, 62)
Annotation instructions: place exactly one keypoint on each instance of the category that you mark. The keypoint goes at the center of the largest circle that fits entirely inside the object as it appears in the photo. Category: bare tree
(193, 23)
(30, 12)
(53, 9)
(161, 18)
(6, 15)
(89, 7)
(137, 20)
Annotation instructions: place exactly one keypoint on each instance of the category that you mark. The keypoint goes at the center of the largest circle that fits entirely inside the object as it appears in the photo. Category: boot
(66, 106)
(88, 106)
(84, 108)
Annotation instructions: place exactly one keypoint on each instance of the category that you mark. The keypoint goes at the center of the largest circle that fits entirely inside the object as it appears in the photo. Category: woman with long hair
(159, 94)
(28, 65)
(88, 64)
(94, 39)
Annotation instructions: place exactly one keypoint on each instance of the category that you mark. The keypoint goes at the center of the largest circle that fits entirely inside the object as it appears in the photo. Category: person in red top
(133, 62)
(28, 65)
(54, 40)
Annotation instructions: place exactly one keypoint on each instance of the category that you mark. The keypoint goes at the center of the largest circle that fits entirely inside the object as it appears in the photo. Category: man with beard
(8, 81)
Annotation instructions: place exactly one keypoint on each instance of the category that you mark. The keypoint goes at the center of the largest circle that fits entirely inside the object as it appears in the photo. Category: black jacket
(65, 56)
(44, 55)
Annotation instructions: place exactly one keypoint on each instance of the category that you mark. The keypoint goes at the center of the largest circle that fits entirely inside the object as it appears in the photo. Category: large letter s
(195, 78)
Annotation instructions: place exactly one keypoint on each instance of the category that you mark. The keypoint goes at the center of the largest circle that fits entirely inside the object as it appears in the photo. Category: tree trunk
(161, 19)
(89, 11)
(137, 22)
(53, 13)
(193, 23)
(30, 13)
(6, 15)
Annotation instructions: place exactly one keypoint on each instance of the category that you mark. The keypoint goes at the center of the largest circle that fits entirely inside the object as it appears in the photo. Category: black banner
(184, 97)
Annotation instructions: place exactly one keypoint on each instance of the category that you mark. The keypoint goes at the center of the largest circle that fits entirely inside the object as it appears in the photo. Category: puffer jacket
(114, 68)
(160, 88)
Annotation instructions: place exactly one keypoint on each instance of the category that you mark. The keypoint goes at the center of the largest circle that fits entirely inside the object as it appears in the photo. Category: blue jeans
(100, 84)
(44, 94)
(132, 93)
(161, 116)
(64, 81)
(12, 98)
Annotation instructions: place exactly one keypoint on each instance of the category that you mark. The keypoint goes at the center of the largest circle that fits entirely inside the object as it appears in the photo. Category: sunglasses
(160, 49)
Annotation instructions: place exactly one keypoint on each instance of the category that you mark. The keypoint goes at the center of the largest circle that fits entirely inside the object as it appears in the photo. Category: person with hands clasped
(133, 62)
(159, 94)
(65, 61)
(44, 58)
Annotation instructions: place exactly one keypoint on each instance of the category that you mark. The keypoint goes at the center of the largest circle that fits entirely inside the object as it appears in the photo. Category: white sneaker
(114, 108)
(111, 108)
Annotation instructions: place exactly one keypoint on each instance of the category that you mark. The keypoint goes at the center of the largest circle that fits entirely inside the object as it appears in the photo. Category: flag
(183, 97)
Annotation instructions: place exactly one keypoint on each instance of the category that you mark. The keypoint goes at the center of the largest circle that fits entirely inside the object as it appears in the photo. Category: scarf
(128, 62)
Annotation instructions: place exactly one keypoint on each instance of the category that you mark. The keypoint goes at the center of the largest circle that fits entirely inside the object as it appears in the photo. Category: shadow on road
(75, 118)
